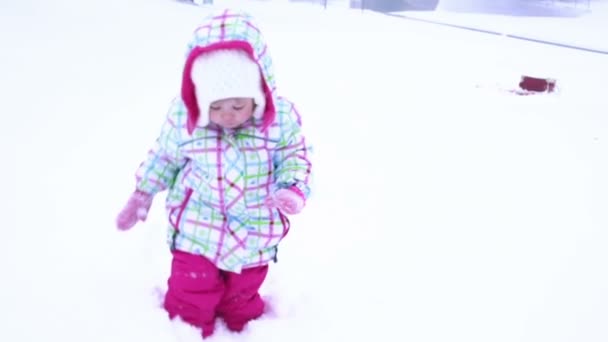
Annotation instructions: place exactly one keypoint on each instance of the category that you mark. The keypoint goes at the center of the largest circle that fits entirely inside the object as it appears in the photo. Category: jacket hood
(229, 29)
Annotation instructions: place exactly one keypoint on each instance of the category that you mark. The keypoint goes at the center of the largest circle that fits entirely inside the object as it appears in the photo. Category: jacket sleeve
(291, 157)
(164, 160)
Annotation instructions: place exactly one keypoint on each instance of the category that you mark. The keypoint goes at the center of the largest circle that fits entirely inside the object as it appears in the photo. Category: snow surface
(572, 22)
(444, 209)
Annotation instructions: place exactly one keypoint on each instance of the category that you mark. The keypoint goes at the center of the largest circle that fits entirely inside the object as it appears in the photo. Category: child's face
(232, 112)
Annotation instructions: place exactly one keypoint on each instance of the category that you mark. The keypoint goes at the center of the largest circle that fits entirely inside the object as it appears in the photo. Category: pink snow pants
(198, 292)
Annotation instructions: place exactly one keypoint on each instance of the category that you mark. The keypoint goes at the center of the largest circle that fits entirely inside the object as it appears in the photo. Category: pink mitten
(136, 209)
(288, 201)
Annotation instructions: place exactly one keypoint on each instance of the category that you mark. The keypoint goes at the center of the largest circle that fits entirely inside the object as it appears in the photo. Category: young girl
(234, 161)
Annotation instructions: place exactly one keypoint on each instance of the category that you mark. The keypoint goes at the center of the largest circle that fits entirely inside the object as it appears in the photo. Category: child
(233, 158)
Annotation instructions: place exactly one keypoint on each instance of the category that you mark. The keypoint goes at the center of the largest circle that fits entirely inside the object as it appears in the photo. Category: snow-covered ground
(444, 208)
(572, 22)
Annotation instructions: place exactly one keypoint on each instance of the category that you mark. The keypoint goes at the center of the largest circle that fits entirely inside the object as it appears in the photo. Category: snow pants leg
(195, 288)
(241, 301)
(198, 292)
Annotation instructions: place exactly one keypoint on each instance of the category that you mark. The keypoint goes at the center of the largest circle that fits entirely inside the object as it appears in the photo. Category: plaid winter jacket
(217, 179)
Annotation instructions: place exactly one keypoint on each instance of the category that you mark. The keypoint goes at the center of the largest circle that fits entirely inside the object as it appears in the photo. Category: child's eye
(214, 108)
(238, 107)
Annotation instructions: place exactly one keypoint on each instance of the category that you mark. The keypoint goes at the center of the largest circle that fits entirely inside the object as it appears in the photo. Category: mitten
(137, 208)
(286, 200)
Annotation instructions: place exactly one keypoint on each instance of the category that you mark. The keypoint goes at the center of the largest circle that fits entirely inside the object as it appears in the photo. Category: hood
(229, 29)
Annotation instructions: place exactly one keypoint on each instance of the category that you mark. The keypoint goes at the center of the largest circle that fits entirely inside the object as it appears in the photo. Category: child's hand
(136, 209)
(287, 201)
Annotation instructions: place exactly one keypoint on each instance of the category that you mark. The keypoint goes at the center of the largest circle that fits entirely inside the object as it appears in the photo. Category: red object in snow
(537, 84)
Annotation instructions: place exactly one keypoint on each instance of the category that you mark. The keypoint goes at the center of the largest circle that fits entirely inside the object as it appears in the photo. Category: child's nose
(228, 114)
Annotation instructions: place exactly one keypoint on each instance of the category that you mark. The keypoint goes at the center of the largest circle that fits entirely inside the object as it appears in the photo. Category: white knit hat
(223, 74)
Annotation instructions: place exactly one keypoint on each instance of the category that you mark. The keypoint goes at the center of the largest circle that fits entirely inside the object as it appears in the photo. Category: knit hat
(226, 73)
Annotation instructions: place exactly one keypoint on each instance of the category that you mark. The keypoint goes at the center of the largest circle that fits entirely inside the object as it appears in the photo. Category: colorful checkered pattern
(217, 179)
(230, 25)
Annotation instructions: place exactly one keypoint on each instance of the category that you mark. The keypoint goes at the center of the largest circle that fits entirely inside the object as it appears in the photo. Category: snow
(570, 22)
(444, 209)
